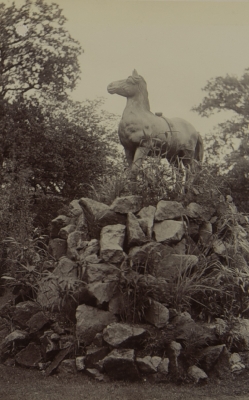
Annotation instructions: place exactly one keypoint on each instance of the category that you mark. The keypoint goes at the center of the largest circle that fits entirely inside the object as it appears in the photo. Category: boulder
(30, 356)
(146, 220)
(57, 360)
(81, 225)
(205, 233)
(119, 334)
(67, 366)
(168, 210)
(75, 209)
(94, 355)
(109, 217)
(196, 211)
(148, 364)
(24, 311)
(66, 268)
(90, 248)
(95, 374)
(101, 273)
(149, 254)
(102, 292)
(169, 231)
(127, 204)
(76, 241)
(135, 234)
(120, 364)
(58, 248)
(173, 265)
(197, 374)
(209, 356)
(37, 321)
(58, 223)
(90, 321)
(14, 336)
(111, 243)
(66, 230)
(92, 207)
(157, 314)
(80, 363)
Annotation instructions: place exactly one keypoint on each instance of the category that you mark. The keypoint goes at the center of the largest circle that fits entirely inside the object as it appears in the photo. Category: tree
(228, 145)
(36, 51)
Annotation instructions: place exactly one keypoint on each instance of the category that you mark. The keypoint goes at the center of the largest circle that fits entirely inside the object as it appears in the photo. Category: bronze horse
(140, 130)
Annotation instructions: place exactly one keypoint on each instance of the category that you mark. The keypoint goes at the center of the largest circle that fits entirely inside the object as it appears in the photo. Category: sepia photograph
(124, 200)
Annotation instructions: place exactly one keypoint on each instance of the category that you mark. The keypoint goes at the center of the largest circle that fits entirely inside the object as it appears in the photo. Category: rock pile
(102, 255)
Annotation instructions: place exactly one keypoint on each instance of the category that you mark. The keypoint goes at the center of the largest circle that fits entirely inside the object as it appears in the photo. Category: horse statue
(142, 133)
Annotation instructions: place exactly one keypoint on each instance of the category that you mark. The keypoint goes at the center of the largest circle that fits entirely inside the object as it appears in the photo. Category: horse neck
(139, 101)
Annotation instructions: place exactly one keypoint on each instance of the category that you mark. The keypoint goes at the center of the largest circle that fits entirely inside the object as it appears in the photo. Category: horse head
(128, 87)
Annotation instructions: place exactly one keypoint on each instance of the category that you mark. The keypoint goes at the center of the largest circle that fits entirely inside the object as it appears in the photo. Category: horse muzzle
(111, 88)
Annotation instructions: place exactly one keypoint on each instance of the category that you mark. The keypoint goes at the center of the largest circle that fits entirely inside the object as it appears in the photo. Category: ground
(23, 384)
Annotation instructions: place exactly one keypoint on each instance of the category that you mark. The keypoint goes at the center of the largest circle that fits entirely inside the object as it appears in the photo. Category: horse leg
(140, 154)
(129, 155)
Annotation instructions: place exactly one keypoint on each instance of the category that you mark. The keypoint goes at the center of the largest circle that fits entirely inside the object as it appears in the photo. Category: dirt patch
(18, 384)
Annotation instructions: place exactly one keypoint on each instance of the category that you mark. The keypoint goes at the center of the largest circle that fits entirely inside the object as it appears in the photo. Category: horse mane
(142, 86)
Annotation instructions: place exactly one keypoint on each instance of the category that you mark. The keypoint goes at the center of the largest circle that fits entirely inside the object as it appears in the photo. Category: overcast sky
(175, 45)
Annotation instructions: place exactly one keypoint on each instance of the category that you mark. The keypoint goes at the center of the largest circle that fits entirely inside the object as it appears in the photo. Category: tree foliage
(36, 51)
(228, 144)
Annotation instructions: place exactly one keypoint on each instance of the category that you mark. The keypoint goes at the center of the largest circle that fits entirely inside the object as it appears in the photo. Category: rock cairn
(96, 249)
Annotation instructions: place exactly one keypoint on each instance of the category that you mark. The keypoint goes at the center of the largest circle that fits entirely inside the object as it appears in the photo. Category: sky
(177, 46)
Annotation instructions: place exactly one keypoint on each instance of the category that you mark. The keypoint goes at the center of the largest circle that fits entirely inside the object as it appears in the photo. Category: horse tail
(199, 149)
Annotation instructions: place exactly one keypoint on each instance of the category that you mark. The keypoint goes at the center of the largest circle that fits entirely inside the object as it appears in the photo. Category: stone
(168, 210)
(90, 321)
(75, 242)
(94, 373)
(209, 356)
(196, 211)
(149, 254)
(241, 332)
(91, 247)
(37, 321)
(24, 311)
(205, 233)
(14, 336)
(146, 365)
(67, 366)
(146, 220)
(117, 304)
(169, 231)
(197, 374)
(109, 217)
(157, 314)
(101, 273)
(127, 204)
(66, 268)
(58, 223)
(173, 265)
(163, 367)
(48, 295)
(80, 363)
(81, 225)
(94, 355)
(135, 234)
(234, 358)
(102, 292)
(111, 243)
(120, 364)
(66, 230)
(219, 247)
(180, 248)
(98, 340)
(239, 367)
(92, 207)
(57, 360)
(120, 334)
(30, 356)
(75, 209)
(58, 248)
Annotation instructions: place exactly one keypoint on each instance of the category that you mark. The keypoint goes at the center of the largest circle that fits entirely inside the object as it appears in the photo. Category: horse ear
(134, 73)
